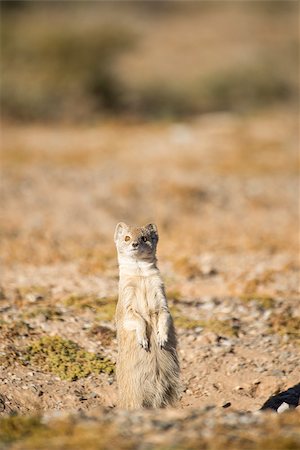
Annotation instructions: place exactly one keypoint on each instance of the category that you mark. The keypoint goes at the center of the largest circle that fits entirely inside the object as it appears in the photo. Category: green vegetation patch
(105, 307)
(30, 433)
(66, 359)
(14, 428)
(285, 324)
(182, 321)
(220, 327)
(103, 334)
(245, 87)
(49, 313)
(263, 301)
(33, 293)
(16, 329)
(174, 295)
(61, 59)
(187, 268)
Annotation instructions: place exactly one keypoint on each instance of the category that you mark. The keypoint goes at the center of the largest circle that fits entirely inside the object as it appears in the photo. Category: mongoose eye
(127, 238)
(144, 238)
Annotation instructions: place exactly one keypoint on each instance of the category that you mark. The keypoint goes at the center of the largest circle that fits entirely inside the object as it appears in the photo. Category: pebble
(208, 270)
(238, 388)
(218, 351)
(208, 306)
(226, 343)
(226, 405)
(260, 369)
(198, 330)
(32, 298)
(283, 407)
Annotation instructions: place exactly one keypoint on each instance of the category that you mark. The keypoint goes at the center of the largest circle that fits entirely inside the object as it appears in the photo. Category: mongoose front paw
(162, 339)
(144, 343)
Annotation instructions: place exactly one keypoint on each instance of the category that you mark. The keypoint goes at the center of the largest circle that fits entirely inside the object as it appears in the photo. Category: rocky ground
(223, 190)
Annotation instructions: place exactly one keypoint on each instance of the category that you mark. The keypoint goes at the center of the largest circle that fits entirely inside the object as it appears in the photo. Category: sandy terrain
(223, 190)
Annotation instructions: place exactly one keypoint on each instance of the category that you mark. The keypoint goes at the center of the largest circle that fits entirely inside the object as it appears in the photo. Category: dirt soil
(223, 190)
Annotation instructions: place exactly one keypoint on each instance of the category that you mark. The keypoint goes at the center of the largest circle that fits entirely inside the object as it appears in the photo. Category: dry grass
(31, 433)
(103, 307)
(219, 327)
(286, 325)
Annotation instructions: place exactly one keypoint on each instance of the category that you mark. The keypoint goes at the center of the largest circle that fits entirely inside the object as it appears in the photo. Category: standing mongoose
(147, 362)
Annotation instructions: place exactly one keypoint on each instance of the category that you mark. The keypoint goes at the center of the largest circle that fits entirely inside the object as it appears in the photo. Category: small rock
(260, 369)
(207, 270)
(32, 298)
(226, 342)
(198, 330)
(283, 407)
(239, 388)
(33, 388)
(226, 405)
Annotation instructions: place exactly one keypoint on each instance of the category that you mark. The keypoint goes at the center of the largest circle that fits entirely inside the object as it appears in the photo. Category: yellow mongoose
(147, 363)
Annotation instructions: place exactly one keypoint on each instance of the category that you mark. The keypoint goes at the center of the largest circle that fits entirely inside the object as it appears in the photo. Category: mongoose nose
(135, 244)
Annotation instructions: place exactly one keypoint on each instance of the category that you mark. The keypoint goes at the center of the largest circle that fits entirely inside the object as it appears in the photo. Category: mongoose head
(136, 242)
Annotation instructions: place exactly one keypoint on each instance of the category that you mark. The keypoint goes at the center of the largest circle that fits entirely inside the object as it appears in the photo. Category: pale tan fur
(147, 363)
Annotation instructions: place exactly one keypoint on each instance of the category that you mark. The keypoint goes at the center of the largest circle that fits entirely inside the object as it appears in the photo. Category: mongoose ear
(119, 228)
(152, 228)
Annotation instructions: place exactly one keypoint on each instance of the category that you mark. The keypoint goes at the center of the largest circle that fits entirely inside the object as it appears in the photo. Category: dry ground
(223, 190)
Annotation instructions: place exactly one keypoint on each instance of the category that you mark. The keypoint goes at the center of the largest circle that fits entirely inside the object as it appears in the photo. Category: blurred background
(181, 113)
(81, 61)
(161, 106)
